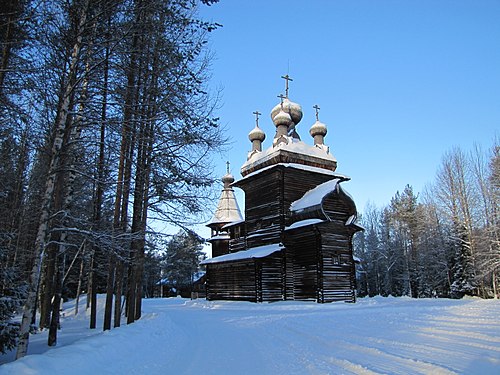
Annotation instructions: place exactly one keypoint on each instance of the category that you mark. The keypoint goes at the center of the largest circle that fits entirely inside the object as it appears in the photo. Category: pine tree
(183, 256)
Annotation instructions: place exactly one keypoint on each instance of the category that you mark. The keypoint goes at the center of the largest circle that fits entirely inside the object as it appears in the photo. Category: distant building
(295, 242)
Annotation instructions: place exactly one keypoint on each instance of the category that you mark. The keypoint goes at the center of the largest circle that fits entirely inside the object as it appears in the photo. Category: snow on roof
(298, 166)
(227, 210)
(314, 196)
(351, 220)
(293, 145)
(233, 223)
(256, 252)
(221, 236)
(304, 223)
(198, 275)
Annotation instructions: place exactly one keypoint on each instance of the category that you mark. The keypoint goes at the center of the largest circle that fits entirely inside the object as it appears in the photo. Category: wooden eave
(288, 156)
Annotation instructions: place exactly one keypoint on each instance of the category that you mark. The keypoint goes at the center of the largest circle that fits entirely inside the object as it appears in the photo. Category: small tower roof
(257, 133)
(318, 127)
(282, 118)
(227, 210)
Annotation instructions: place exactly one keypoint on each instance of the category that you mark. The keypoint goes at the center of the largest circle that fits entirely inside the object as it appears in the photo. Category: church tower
(227, 212)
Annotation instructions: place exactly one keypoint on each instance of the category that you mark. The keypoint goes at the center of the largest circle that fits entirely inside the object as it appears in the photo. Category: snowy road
(373, 336)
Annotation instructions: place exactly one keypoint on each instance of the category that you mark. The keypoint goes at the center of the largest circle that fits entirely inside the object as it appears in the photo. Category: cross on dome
(227, 166)
(286, 78)
(257, 114)
(282, 97)
(317, 108)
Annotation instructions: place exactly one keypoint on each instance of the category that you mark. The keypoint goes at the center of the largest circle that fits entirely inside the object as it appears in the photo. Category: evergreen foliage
(182, 260)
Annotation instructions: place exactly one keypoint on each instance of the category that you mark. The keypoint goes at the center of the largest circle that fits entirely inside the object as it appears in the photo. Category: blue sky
(399, 83)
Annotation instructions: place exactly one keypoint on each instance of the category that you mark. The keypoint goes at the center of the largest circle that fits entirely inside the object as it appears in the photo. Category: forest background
(108, 127)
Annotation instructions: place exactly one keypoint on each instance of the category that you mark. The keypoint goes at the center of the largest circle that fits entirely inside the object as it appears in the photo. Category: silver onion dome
(293, 109)
(257, 134)
(227, 179)
(282, 118)
(318, 128)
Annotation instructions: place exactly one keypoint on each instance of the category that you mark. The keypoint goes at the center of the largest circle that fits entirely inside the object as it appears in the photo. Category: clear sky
(399, 83)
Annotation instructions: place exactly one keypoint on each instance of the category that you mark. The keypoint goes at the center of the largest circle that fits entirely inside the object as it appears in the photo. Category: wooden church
(295, 241)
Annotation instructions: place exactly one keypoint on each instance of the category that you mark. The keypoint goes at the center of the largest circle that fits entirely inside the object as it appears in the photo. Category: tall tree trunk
(93, 294)
(99, 194)
(56, 152)
(118, 292)
(124, 167)
(109, 292)
(11, 7)
(56, 301)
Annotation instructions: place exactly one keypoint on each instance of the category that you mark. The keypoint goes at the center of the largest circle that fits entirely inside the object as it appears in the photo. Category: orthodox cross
(257, 114)
(316, 107)
(227, 165)
(286, 78)
(281, 97)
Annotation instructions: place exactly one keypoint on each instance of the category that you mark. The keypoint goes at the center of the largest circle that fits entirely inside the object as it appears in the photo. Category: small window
(344, 259)
(335, 258)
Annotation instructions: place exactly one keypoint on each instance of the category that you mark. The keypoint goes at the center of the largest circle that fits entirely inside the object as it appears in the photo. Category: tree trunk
(145, 199)
(56, 301)
(118, 293)
(123, 179)
(11, 8)
(99, 195)
(109, 292)
(47, 285)
(92, 295)
(56, 151)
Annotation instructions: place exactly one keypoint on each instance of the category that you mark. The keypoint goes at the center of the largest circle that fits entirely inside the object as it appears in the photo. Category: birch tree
(56, 152)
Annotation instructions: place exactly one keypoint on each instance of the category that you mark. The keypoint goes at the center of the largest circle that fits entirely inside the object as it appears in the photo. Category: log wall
(232, 281)
(301, 278)
(337, 265)
(317, 263)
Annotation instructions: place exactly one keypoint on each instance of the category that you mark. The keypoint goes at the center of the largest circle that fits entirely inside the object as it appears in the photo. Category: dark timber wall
(337, 268)
(232, 281)
(253, 280)
(316, 264)
(302, 250)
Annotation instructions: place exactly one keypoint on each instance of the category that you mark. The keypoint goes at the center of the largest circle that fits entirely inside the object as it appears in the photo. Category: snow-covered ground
(373, 336)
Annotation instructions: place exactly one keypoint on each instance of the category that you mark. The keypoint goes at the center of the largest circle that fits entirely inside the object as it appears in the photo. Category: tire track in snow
(379, 360)
(433, 350)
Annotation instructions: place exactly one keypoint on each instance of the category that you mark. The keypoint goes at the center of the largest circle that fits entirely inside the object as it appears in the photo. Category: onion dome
(318, 128)
(227, 179)
(293, 109)
(257, 134)
(282, 118)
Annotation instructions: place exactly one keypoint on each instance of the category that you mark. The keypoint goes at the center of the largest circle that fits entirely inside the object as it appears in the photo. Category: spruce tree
(463, 270)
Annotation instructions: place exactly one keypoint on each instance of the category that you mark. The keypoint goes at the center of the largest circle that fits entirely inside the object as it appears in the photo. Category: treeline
(105, 123)
(443, 243)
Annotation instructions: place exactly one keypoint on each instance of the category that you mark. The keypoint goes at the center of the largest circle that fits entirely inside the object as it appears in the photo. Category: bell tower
(227, 212)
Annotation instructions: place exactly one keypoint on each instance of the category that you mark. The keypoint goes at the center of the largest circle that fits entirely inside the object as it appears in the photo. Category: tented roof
(227, 210)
